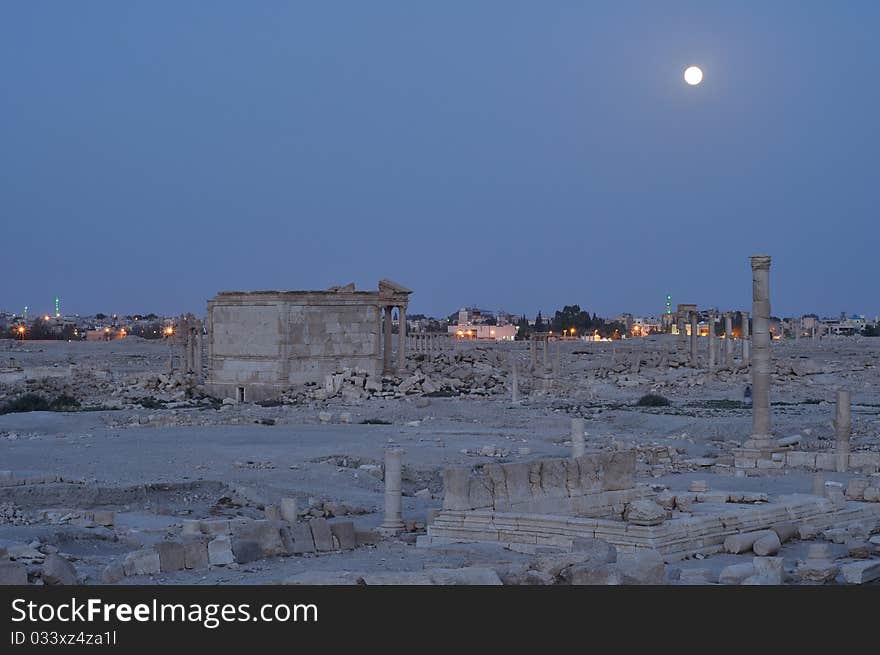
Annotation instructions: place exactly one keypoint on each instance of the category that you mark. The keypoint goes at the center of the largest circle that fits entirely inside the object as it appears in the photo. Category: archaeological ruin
(261, 342)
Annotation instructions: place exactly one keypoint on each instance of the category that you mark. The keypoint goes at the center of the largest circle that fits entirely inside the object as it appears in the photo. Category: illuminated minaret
(668, 304)
(25, 313)
(57, 307)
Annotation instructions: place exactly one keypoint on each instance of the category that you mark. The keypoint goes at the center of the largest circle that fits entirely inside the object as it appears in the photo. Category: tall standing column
(577, 437)
(681, 344)
(693, 339)
(393, 492)
(745, 339)
(401, 339)
(843, 427)
(533, 353)
(761, 435)
(386, 349)
(711, 339)
(514, 379)
(556, 361)
(728, 339)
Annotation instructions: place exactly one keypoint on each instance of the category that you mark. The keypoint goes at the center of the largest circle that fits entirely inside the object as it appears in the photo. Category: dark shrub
(652, 400)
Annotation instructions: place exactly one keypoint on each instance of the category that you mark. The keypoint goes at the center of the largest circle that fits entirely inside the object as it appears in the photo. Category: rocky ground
(148, 447)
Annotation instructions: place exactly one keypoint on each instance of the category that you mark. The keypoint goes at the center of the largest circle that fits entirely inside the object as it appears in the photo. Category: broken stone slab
(367, 537)
(644, 512)
(112, 573)
(13, 573)
(267, 535)
(141, 562)
(321, 534)
(298, 539)
(768, 569)
(642, 568)
(220, 551)
(469, 575)
(592, 573)
(836, 535)
(246, 550)
(744, 541)
(734, 574)
(858, 549)
(324, 578)
(808, 531)
(855, 490)
(171, 556)
(860, 572)
(58, 571)
(397, 578)
(344, 533)
(272, 512)
(289, 511)
(191, 528)
(104, 517)
(695, 577)
(195, 554)
(214, 527)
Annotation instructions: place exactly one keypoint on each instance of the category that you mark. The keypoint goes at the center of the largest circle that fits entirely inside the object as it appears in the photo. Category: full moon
(693, 75)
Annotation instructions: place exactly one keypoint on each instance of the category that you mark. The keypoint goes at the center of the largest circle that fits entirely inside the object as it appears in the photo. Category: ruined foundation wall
(266, 342)
(588, 485)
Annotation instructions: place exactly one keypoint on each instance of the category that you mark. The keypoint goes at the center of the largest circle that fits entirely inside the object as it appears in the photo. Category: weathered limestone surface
(265, 341)
(549, 485)
(58, 571)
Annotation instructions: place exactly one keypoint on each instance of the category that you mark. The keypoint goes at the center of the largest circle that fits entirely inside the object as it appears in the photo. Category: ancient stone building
(261, 342)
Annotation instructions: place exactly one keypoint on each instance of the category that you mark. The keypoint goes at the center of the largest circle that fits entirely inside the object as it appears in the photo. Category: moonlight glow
(693, 75)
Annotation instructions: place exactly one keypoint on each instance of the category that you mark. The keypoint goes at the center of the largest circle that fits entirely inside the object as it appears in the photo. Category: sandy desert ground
(147, 447)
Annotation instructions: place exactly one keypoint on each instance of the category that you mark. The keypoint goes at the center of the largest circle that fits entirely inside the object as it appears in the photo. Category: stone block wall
(576, 486)
(264, 342)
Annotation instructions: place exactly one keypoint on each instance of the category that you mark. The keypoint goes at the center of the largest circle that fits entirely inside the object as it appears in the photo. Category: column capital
(760, 262)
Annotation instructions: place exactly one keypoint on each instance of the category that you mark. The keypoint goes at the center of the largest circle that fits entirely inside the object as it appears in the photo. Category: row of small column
(546, 364)
(712, 348)
(424, 343)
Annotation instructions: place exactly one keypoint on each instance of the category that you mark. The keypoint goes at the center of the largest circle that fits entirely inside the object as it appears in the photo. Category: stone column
(693, 357)
(745, 338)
(393, 492)
(577, 437)
(556, 361)
(533, 353)
(728, 339)
(386, 349)
(843, 427)
(797, 330)
(401, 339)
(198, 362)
(711, 339)
(545, 344)
(514, 379)
(761, 435)
(681, 344)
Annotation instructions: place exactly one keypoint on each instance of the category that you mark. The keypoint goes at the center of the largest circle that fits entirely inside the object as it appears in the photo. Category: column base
(390, 529)
(760, 452)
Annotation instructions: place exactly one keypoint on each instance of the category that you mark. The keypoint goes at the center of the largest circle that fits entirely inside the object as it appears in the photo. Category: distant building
(493, 332)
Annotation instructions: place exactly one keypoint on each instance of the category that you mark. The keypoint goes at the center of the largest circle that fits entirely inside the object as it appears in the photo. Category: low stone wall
(674, 539)
(223, 542)
(827, 461)
(590, 485)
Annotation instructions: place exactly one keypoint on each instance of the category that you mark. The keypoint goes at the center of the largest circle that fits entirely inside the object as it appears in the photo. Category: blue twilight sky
(510, 155)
